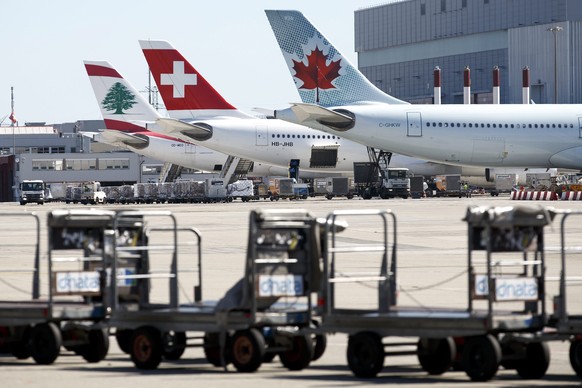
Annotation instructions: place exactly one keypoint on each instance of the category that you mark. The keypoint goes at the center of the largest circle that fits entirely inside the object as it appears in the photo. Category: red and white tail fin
(186, 94)
(123, 108)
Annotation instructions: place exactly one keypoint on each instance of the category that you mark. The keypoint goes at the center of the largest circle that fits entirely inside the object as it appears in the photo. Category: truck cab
(32, 191)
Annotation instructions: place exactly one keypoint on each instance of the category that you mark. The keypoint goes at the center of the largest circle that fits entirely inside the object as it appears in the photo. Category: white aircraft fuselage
(277, 142)
(545, 136)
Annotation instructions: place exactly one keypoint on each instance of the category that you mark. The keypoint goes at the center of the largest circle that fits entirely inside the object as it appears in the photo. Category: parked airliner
(201, 115)
(349, 105)
(127, 116)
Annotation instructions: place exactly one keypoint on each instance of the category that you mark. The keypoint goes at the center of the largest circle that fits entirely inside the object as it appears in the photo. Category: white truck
(32, 191)
(91, 193)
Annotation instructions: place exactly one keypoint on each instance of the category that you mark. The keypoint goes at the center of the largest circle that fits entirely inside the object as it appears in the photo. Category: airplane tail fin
(123, 108)
(322, 75)
(186, 94)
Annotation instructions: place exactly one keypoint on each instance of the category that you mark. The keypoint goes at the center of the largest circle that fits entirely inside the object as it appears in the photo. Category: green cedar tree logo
(118, 98)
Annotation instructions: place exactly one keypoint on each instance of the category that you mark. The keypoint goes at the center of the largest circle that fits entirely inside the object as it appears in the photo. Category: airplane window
(319, 136)
(273, 135)
(440, 124)
(553, 125)
(511, 126)
(559, 125)
(541, 125)
(494, 125)
(535, 125)
(304, 136)
(278, 135)
(571, 125)
(293, 136)
(470, 125)
(547, 125)
(482, 125)
(446, 125)
(427, 124)
(464, 125)
(529, 126)
(288, 136)
(488, 125)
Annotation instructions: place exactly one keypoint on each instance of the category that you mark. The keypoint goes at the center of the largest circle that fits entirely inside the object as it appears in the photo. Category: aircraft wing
(198, 131)
(324, 116)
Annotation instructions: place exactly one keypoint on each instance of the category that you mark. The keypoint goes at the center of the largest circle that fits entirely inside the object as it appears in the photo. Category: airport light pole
(555, 30)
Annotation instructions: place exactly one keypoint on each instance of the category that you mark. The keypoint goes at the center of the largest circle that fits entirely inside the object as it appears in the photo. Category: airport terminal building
(400, 43)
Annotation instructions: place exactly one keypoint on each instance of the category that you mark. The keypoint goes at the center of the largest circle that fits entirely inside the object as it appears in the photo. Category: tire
(247, 349)
(175, 345)
(536, 362)
(481, 357)
(300, 355)
(45, 343)
(436, 355)
(212, 348)
(319, 346)
(365, 354)
(123, 338)
(576, 356)
(269, 357)
(21, 348)
(146, 348)
(98, 346)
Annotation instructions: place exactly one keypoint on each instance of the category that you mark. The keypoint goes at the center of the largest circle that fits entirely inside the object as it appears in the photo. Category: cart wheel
(481, 357)
(320, 343)
(175, 345)
(98, 346)
(300, 355)
(365, 354)
(146, 348)
(576, 356)
(269, 357)
(247, 349)
(536, 361)
(212, 348)
(123, 338)
(21, 348)
(45, 343)
(436, 355)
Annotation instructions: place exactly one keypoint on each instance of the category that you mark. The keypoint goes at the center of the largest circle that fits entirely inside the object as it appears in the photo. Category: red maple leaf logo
(316, 74)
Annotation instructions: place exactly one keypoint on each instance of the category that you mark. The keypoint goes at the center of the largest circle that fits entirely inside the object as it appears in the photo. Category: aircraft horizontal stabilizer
(305, 113)
(197, 131)
(130, 139)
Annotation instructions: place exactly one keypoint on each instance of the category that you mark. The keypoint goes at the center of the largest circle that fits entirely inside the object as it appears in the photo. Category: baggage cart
(260, 316)
(494, 328)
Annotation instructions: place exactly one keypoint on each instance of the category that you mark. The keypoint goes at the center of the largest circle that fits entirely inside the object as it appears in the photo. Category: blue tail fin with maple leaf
(322, 75)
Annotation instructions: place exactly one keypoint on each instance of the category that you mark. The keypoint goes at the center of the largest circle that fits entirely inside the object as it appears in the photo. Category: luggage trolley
(476, 339)
(566, 320)
(261, 315)
(72, 314)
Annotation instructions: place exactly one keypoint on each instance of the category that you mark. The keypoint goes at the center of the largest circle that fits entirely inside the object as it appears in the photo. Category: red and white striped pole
(525, 90)
(437, 85)
(496, 84)
(467, 86)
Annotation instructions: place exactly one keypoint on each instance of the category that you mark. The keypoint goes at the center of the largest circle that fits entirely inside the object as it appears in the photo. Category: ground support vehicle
(69, 310)
(32, 191)
(495, 328)
(260, 316)
(332, 187)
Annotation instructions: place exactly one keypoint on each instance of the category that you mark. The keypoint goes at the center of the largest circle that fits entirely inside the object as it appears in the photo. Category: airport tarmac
(432, 254)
